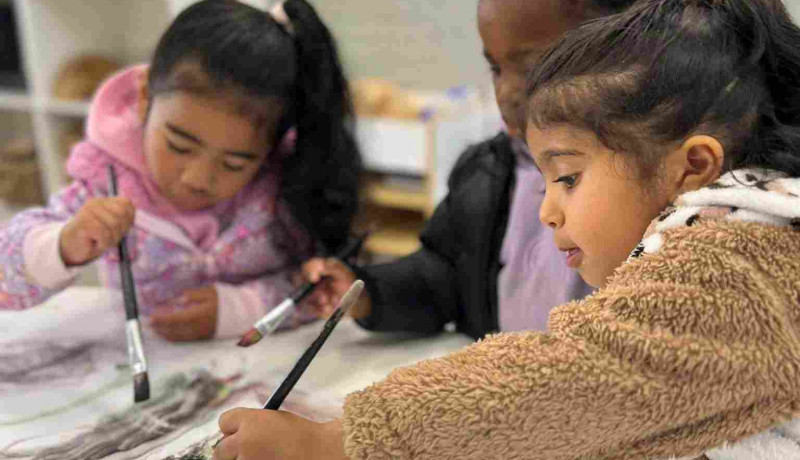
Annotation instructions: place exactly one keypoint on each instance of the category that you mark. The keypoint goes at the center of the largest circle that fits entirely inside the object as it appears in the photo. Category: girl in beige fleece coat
(669, 136)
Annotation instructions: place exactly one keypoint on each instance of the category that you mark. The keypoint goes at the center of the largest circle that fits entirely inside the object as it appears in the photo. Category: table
(351, 359)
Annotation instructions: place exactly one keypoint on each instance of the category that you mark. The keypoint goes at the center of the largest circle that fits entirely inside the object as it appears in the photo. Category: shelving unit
(50, 32)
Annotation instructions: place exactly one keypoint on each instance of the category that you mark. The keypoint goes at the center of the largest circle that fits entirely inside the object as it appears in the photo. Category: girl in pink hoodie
(235, 162)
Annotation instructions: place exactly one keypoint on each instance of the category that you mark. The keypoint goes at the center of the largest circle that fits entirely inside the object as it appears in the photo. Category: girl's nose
(550, 214)
(198, 176)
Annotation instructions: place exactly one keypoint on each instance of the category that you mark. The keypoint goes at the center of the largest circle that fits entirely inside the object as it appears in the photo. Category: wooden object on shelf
(410, 194)
(381, 99)
(395, 231)
(79, 77)
(20, 181)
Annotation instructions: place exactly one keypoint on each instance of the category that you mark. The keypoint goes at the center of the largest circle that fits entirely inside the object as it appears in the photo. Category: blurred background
(422, 92)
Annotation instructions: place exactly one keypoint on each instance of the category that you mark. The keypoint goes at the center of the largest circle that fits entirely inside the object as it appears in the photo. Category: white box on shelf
(392, 146)
(427, 149)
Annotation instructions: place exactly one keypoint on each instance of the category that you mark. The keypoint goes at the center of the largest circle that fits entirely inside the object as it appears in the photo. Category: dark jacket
(453, 276)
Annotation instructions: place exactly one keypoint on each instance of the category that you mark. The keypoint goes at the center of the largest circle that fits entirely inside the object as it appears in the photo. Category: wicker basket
(20, 179)
(79, 77)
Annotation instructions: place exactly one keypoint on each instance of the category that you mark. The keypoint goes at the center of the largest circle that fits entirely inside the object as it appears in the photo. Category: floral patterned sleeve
(18, 288)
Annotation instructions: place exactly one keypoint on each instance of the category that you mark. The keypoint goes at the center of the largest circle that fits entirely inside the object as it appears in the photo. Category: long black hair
(227, 47)
(667, 69)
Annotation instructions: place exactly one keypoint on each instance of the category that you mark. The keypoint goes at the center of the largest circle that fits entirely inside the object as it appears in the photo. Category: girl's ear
(697, 163)
(143, 104)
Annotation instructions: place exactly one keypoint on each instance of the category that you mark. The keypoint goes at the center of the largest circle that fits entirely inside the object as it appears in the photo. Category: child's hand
(338, 279)
(192, 317)
(258, 434)
(99, 224)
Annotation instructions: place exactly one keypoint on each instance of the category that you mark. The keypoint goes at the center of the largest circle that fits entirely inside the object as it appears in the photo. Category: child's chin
(193, 205)
(592, 279)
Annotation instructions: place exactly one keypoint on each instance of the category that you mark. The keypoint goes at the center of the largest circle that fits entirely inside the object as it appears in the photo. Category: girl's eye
(176, 149)
(234, 168)
(569, 181)
(495, 70)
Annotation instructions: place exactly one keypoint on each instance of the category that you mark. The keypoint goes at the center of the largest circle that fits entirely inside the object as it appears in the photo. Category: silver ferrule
(135, 349)
(273, 319)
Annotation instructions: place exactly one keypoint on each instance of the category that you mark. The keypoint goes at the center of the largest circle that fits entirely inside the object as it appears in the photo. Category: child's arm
(684, 350)
(223, 310)
(416, 293)
(33, 259)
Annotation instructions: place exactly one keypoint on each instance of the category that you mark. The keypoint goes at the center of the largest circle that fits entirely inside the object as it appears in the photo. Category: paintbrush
(348, 300)
(276, 399)
(269, 322)
(133, 333)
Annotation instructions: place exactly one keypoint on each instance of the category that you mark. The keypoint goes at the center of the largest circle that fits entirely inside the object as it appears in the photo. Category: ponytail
(321, 179)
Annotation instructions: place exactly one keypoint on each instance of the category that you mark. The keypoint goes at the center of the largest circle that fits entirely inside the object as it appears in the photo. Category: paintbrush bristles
(250, 338)
(141, 387)
(351, 296)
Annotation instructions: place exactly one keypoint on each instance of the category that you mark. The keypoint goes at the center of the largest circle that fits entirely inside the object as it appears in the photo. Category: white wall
(423, 44)
(794, 9)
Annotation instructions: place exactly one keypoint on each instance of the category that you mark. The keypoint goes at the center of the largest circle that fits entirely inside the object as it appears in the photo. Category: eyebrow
(245, 155)
(182, 133)
(552, 153)
(548, 155)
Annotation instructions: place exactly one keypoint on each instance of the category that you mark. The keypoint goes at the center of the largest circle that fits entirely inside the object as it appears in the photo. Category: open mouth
(574, 257)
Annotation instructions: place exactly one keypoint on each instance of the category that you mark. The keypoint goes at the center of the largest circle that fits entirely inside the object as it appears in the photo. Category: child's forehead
(198, 109)
(562, 142)
(526, 20)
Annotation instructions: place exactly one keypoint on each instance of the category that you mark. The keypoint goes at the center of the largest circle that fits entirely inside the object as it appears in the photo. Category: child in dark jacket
(485, 262)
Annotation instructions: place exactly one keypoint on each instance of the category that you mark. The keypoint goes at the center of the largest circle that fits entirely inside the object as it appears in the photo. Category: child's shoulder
(494, 156)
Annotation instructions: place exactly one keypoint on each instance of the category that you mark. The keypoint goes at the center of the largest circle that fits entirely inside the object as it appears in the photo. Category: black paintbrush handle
(348, 251)
(128, 288)
(275, 401)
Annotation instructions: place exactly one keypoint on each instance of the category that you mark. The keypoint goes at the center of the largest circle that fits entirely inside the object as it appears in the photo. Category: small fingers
(313, 269)
(198, 295)
(173, 317)
(230, 420)
(227, 448)
(123, 209)
(95, 234)
(114, 215)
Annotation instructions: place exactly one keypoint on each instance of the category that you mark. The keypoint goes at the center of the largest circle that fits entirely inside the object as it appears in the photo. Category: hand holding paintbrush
(277, 315)
(279, 395)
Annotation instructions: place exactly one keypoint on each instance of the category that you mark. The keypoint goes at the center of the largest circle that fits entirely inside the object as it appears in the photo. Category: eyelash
(176, 149)
(495, 70)
(569, 181)
(182, 151)
(233, 168)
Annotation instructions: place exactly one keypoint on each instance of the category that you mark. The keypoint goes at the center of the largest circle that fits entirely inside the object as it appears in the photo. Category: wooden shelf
(396, 232)
(68, 108)
(385, 195)
(395, 242)
(11, 99)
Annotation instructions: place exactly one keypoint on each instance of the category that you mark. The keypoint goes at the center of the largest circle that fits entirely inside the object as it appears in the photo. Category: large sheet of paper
(63, 372)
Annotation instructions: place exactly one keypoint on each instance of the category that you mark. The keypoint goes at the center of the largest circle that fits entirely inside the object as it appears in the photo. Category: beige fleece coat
(686, 348)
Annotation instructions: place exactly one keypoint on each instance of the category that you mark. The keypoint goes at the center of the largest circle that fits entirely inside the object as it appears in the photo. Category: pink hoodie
(246, 247)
